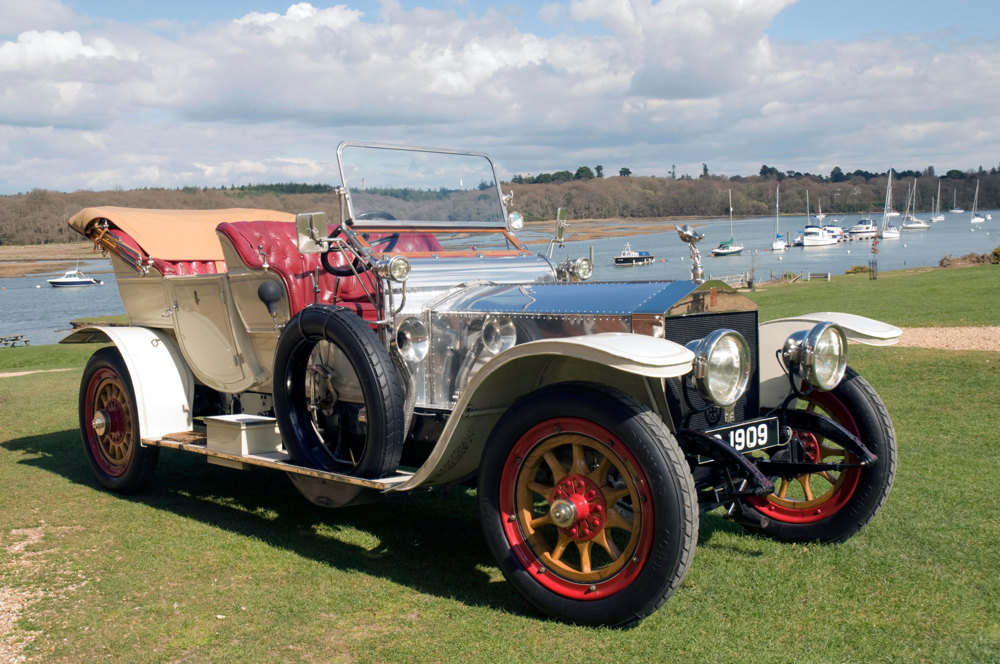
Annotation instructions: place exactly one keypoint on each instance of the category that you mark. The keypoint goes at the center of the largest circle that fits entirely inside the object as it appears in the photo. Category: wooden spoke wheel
(587, 504)
(828, 505)
(109, 425)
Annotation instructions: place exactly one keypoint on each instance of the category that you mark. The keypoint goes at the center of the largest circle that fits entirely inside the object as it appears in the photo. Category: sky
(102, 95)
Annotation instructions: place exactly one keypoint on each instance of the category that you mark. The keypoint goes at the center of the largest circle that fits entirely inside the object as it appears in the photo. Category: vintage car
(417, 342)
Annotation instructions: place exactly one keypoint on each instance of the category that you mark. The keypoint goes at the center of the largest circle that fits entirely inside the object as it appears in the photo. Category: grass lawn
(927, 297)
(217, 565)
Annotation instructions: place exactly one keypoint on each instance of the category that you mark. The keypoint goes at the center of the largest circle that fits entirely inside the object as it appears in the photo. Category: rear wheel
(831, 506)
(587, 504)
(109, 425)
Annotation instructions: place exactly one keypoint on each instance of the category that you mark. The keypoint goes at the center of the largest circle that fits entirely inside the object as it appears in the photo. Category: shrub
(858, 269)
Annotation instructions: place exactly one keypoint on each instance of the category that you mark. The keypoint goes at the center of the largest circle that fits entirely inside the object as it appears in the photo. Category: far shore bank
(32, 259)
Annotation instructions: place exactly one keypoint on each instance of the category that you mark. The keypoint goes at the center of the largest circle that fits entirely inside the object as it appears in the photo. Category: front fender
(163, 384)
(772, 336)
(633, 363)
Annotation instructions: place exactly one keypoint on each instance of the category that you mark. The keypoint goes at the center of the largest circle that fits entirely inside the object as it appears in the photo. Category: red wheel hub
(811, 447)
(811, 511)
(578, 507)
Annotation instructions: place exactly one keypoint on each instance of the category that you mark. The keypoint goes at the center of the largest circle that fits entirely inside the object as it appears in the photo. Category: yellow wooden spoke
(579, 466)
(597, 474)
(616, 520)
(827, 451)
(806, 489)
(542, 490)
(540, 521)
(612, 496)
(603, 541)
(558, 472)
(560, 547)
(783, 488)
(584, 548)
(828, 477)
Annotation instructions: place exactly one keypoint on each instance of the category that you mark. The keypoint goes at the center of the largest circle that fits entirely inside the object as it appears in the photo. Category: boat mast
(730, 215)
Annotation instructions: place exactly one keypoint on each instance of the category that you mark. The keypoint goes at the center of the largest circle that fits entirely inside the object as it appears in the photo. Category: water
(42, 314)
(954, 236)
(30, 306)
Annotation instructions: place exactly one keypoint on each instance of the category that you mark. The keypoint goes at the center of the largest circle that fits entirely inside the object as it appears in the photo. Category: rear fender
(774, 385)
(162, 382)
(633, 363)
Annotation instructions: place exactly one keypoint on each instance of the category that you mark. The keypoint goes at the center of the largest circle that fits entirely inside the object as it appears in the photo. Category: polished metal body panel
(457, 320)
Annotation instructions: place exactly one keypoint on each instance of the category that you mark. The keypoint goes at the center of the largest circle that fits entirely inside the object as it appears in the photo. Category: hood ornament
(693, 237)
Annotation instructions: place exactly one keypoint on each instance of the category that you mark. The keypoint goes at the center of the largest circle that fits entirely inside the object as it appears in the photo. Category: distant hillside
(40, 216)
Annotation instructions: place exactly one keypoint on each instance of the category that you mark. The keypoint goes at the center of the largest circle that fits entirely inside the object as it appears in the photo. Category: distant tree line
(39, 216)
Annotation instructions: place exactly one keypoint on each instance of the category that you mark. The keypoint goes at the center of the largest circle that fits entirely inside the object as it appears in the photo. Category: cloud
(35, 50)
(267, 96)
(18, 17)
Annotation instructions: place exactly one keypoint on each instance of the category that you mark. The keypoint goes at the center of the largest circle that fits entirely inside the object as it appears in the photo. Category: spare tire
(337, 398)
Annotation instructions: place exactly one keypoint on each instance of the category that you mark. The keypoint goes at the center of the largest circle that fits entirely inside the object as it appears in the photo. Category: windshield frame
(411, 224)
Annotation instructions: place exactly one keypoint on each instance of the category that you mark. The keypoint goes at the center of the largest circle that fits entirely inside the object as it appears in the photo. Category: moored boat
(887, 230)
(976, 217)
(863, 230)
(779, 243)
(816, 236)
(728, 247)
(74, 278)
(629, 256)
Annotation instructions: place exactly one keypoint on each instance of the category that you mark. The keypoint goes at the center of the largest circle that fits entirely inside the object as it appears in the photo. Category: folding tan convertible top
(173, 235)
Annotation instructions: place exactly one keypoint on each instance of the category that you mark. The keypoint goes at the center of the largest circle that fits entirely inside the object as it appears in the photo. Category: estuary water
(29, 306)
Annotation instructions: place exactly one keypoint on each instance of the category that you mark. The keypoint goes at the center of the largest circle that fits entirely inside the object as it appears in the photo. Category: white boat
(910, 220)
(888, 231)
(816, 236)
(819, 215)
(779, 243)
(74, 278)
(834, 231)
(863, 230)
(728, 247)
(976, 217)
(954, 207)
(937, 216)
(628, 256)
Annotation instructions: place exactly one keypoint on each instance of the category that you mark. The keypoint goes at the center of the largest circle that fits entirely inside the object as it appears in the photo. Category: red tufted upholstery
(167, 268)
(277, 240)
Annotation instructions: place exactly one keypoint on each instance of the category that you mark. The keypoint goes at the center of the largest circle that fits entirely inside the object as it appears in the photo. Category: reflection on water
(29, 306)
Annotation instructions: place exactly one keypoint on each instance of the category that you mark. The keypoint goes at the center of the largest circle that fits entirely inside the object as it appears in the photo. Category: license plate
(747, 436)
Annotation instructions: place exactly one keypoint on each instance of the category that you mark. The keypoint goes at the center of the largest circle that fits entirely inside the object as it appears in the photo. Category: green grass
(216, 565)
(911, 298)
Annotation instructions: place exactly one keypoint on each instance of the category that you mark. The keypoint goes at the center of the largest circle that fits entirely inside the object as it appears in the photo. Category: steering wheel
(375, 214)
(359, 265)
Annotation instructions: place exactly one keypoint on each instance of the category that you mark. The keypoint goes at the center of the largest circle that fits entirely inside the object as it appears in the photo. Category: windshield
(419, 185)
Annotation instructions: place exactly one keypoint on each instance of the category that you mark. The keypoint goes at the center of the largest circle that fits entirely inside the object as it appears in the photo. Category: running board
(196, 442)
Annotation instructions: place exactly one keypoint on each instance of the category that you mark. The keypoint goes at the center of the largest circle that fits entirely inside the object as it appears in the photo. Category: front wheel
(109, 425)
(587, 504)
(831, 506)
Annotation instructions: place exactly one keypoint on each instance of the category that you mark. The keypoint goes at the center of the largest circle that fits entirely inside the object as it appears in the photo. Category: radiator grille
(682, 329)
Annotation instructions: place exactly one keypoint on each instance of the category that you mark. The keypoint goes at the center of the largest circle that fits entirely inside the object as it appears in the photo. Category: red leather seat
(277, 241)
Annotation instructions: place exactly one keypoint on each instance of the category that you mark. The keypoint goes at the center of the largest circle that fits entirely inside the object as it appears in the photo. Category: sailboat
(937, 216)
(976, 217)
(910, 220)
(819, 215)
(779, 243)
(954, 206)
(888, 231)
(728, 247)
